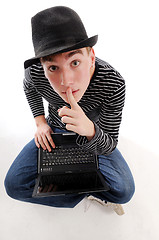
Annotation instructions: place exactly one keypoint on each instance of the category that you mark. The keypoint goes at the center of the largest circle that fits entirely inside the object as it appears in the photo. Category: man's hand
(43, 134)
(75, 119)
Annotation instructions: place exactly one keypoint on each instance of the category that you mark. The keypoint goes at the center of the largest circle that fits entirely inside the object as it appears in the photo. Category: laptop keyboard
(65, 156)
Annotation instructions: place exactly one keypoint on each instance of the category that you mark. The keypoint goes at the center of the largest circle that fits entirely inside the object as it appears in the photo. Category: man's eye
(75, 63)
(52, 68)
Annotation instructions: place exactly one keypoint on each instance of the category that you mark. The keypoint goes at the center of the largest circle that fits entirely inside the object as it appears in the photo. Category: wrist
(92, 132)
(39, 120)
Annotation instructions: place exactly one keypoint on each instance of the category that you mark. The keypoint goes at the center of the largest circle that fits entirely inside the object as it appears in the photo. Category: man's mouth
(73, 92)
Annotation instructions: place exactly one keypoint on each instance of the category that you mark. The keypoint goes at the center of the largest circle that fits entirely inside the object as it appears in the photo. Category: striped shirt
(102, 102)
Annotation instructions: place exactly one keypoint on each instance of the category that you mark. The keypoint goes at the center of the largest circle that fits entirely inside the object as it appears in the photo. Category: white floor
(128, 40)
(26, 221)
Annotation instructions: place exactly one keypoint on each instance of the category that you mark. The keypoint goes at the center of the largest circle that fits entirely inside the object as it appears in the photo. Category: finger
(40, 189)
(70, 98)
(59, 110)
(45, 189)
(71, 127)
(65, 111)
(44, 143)
(50, 140)
(36, 142)
(40, 141)
(54, 188)
(50, 187)
(70, 120)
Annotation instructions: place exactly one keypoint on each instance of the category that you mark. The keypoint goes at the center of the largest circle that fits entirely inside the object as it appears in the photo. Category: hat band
(61, 43)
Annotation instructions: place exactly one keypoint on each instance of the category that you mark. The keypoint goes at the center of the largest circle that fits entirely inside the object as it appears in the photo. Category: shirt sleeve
(107, 128)
(33, 96)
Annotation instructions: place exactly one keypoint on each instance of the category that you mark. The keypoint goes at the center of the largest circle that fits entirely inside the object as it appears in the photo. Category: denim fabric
(20, 179)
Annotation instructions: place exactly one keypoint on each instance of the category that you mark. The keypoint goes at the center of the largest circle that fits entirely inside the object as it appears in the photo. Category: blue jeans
(20, 179)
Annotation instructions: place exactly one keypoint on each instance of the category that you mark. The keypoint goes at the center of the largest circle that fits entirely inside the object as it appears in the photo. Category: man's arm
(107, 127)
(43, 132)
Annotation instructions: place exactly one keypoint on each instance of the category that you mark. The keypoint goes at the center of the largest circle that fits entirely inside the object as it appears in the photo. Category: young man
(84, 94)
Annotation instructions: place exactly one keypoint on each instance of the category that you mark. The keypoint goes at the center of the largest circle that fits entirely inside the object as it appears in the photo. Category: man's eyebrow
(70, 54)
(73, 53)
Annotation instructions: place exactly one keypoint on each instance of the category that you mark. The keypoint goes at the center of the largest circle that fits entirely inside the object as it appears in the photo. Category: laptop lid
(86, 182)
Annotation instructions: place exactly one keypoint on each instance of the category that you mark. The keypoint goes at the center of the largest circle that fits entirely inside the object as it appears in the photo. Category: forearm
(33, 97)
(91, 131)
(101, 144)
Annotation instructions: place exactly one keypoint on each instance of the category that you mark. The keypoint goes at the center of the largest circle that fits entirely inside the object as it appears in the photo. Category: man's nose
(66, 79)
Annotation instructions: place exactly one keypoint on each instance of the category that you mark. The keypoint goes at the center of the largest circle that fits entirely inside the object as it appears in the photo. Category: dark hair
(49, 57)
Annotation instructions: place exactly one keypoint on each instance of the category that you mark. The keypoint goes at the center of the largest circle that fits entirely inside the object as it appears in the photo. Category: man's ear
(92, 53)
(41, 61)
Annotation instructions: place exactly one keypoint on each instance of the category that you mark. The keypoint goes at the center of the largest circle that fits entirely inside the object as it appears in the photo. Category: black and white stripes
(102, 102)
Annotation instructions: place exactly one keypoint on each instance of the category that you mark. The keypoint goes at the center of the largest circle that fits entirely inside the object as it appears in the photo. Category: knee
(125, 192)
(10, 184)
(7, 185)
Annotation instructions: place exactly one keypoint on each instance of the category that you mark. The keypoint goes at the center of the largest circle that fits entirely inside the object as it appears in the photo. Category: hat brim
(89, 42)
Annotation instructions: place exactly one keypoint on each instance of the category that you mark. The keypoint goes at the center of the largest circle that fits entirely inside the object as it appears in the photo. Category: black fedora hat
(56, 30)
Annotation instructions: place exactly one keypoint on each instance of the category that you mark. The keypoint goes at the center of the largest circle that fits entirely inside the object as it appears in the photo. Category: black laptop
(67, 169)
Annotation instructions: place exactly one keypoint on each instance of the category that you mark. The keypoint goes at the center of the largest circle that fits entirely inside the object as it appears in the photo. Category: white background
(128, 40)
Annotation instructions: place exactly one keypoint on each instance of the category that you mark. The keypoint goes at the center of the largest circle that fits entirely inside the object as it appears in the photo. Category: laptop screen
(69, 183)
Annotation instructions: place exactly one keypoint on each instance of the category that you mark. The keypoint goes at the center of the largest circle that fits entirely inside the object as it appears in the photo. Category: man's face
(72, 69)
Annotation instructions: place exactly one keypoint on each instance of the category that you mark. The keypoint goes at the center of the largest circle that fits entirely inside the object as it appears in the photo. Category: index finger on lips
(70, 98)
